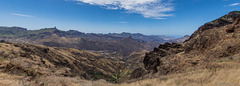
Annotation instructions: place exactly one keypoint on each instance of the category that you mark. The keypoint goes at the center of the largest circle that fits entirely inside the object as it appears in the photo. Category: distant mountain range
(123, 43)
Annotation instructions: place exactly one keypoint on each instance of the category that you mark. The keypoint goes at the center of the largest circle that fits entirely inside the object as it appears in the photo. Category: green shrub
(96, 75)
(116, 78)
(221, 61)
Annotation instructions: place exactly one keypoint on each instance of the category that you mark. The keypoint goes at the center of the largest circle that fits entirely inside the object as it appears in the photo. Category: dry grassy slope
(135, 59)
(225, 75)
(37, 60)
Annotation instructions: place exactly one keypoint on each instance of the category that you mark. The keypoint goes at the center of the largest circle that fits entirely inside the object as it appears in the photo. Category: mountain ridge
(85, 41)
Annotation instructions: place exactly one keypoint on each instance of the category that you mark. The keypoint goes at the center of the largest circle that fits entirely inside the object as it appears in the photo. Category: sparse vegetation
(220, 60)
(2, 58)
(45, 83)
(23, 74)
(115, 78)
(120, 76)
(97, 75)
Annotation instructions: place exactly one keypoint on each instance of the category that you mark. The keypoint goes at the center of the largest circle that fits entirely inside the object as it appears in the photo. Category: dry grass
(220, 77)
(227, 75)
(10, 80)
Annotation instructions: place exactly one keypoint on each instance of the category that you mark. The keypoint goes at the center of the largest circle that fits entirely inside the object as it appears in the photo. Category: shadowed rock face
(153, 59)
(212, 41)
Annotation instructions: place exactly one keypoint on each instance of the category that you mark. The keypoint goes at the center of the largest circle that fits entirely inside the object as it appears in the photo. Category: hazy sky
(158, 17)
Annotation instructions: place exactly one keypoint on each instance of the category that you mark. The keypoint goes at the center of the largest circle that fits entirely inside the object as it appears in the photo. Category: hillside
(38, 60)
(214, 42)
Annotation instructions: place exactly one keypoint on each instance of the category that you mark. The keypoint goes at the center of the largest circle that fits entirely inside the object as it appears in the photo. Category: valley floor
(225, 75)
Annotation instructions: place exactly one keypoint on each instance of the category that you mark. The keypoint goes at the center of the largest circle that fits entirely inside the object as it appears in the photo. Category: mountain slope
(211, 43)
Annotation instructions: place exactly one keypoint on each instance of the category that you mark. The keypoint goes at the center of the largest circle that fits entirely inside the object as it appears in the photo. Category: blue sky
(150, 17)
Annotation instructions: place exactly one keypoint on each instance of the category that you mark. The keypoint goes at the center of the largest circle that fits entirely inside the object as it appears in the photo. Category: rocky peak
(213, 32)
(49, 29)
(222, 21)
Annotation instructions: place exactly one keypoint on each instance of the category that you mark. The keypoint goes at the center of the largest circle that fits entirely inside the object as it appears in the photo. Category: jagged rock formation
(154, 59)
(211, 42)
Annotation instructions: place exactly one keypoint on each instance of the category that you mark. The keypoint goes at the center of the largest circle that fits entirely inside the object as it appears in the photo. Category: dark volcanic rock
(153, 59)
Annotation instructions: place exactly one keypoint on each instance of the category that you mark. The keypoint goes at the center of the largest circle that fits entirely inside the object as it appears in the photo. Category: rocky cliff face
(211, 42)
